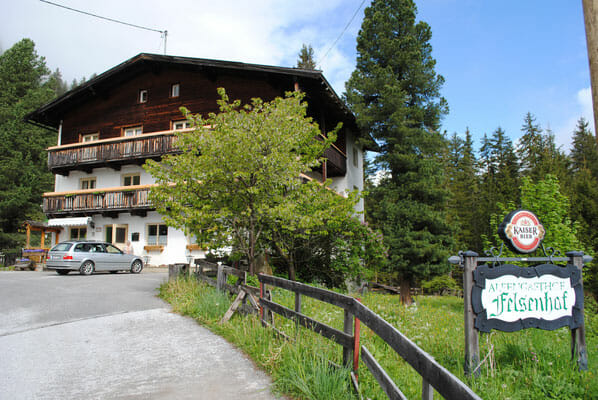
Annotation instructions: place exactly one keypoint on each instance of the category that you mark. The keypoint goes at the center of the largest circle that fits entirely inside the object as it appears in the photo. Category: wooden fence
(433, 374)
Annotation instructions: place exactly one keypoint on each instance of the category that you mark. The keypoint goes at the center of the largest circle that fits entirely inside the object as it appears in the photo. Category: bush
(439, 284)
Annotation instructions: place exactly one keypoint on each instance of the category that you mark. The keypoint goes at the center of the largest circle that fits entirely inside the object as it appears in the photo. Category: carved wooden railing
(97, 201)
(114, 150)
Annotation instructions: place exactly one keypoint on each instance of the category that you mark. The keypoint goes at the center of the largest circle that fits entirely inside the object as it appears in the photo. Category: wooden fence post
(261, 306)
(356, 346)
(348, 329)
(220, 278)
(297, 308)
(578, 336)
(472, 348)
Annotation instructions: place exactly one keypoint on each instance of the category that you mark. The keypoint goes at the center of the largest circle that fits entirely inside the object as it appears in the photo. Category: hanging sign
(522, 231)
(510, 298)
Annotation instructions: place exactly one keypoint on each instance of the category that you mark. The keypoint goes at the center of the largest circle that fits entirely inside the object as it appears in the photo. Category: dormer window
(133, 131)
(174, 90)
(143, 96)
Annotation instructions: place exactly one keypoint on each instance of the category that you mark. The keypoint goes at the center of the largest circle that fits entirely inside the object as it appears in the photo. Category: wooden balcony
(108, 202)
(110, 153)
(336, 163)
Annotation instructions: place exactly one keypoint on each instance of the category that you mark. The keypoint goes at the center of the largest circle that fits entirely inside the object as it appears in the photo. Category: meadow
(529, 364)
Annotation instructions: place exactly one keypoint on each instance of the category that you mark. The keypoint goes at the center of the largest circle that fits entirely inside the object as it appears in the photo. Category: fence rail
(432, 373)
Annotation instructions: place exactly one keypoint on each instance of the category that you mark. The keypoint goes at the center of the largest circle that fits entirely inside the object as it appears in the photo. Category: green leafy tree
(394, 93)
(306, 58)
(543, 198)
(25, 84)
(237, 179)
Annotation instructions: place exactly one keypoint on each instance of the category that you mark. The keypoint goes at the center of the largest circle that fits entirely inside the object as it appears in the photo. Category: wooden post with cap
(578, 335)
(472, 348)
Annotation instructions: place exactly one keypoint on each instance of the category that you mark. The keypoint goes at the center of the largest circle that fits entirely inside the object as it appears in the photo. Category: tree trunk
(291, 262)
(406, 292)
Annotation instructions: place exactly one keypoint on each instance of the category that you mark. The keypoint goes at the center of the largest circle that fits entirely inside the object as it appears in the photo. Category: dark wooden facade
(110, 103)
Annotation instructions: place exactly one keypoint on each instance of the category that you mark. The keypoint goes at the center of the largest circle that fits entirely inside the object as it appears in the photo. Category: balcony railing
(135, 149)
(110, 152)
(336, 163)
(87, 202)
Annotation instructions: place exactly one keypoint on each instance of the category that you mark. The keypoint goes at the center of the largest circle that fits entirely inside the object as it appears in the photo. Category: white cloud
(263, 31)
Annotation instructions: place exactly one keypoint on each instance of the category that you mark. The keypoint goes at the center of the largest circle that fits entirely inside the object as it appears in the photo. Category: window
(91, 137)
(113, 249)
(88, 183)
(83, 247)
(157, 234)
(143, 96)
(174, 90)
(116, 234)
(62, 247)
(178, 125)
(355, 157)
(78, 233)
(133, 131)
(131, 180)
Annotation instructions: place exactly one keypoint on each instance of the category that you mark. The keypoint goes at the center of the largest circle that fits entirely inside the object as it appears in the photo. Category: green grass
(529, 364)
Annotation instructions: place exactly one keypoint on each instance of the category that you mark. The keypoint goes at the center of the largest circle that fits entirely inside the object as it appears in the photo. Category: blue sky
(500, 59)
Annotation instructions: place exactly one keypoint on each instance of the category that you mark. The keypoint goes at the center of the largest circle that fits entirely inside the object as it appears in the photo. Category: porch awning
(75, 221)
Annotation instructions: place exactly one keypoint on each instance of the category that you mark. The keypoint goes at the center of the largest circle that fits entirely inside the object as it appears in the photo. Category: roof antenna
(163, 33)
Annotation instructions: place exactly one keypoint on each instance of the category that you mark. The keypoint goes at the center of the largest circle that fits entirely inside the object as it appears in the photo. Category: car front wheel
(87, 268)
(136, 267)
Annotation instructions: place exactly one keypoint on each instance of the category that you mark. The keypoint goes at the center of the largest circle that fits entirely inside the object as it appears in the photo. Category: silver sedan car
(87, 257)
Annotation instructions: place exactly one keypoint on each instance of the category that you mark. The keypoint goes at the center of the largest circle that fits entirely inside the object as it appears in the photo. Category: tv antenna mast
(163, 34)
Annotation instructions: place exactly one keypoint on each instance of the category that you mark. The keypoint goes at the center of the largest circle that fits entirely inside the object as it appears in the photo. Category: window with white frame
(178, 125)
(157, 234)
(131, 180)
(90, 137)
(87, 183)
(174, 90)
(133, 131)
(143, 96)
(78, 232)
(355, 156)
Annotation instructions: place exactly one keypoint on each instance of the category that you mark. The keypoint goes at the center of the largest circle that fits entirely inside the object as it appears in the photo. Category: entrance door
(117, 235)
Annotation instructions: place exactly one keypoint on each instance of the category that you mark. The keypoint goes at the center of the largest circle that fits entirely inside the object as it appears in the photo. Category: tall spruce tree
(463, 183)
(538, 153)
(25, 84)
(395, 95)
(500, 177)
(306, 58)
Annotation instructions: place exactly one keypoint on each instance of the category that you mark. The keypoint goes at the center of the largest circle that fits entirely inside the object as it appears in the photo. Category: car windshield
(62, 247)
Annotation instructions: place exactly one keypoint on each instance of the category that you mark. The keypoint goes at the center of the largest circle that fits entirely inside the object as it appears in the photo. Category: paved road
(109, 337)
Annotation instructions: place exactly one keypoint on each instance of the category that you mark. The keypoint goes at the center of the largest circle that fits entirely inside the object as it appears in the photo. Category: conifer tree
(306, 58)
(463, 184)
(25, 84)
(394, 93)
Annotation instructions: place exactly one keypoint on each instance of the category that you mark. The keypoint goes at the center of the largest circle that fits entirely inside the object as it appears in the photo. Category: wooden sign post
(472, 348)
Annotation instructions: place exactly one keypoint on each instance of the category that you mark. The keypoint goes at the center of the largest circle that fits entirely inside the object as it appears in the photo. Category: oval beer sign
(522, 231)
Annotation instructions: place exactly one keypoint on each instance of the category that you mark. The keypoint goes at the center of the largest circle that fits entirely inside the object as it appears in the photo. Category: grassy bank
(527, 364)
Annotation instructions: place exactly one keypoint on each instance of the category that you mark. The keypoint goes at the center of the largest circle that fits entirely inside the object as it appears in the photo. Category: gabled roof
(49, 114)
